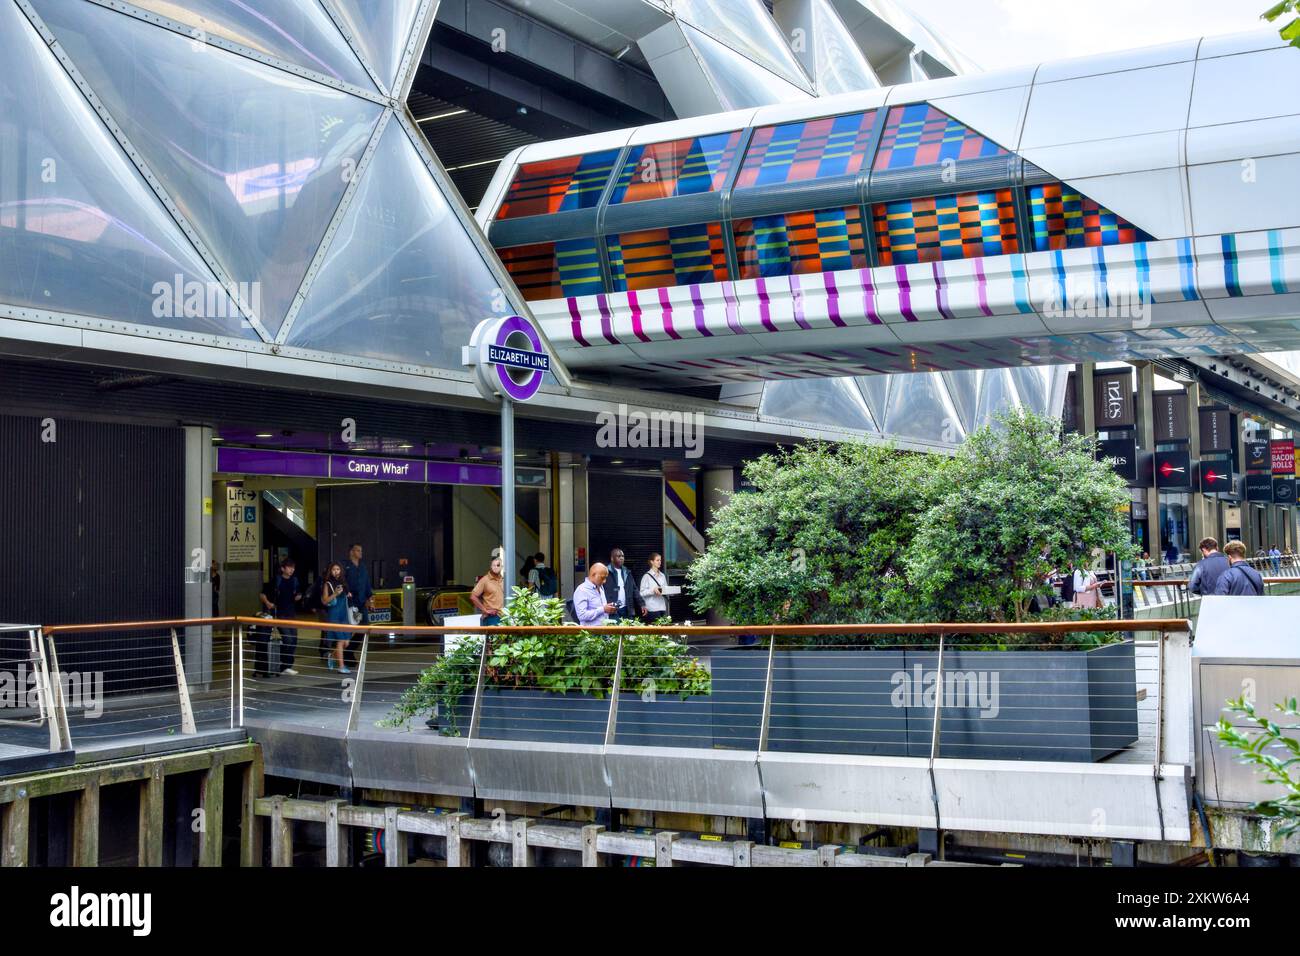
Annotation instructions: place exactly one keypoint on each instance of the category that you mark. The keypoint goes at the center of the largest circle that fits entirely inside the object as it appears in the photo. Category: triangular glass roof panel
(80, 230)
(256, 159)
(822, 401)
(402, 280)
(380, 29)
(299, 33)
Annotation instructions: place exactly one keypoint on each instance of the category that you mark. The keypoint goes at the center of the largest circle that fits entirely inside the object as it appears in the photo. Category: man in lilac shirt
(589, 604)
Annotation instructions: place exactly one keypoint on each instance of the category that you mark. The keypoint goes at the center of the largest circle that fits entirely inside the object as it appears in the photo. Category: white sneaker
(289, 672)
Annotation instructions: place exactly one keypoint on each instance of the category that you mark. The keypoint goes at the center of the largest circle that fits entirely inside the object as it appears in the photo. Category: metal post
(354, 708)
(60, 705)
(477, 712)
(239, 640)
(766, 723)
(613, 694)
(934, 738)
(507, 494)
(182, 689)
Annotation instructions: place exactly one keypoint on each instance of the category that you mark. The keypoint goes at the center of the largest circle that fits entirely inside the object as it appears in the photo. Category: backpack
(1067, 587)
(547, 583)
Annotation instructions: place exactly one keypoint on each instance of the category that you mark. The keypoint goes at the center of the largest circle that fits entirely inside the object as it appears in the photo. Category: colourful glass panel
(920, 135)
(1063, 218)
(680, 255)
(558, 185)
(964, 226)
(827, 240)
(554, 270)
(816, 149)
(681, 167)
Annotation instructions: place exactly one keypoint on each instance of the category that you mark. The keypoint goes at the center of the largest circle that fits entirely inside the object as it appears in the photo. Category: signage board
(243, 525)
(508, 358)
(1283, 456)
(1113, 399)
(1216, 428)
(1259, 489)
(1169, 415)
(1258, 455)
(1123, 451)
(1173, 470)
(1284, 491)
(1215, 477)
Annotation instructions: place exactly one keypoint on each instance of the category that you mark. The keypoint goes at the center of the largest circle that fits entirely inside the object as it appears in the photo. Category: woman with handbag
(1087, 589)
(653, 583)
(334, 599)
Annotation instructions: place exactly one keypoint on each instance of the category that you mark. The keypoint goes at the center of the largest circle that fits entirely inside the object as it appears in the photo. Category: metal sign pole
(507, 494)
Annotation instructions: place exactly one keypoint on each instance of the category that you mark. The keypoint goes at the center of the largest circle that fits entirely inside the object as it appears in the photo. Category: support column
(151, 817)
(1146, 435)
(15, 832)
(212, 801)
(200, 463)
(85, 827)
(714, 490)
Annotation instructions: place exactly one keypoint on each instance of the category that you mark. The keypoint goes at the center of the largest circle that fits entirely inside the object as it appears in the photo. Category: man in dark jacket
(1240, 578)
(620, 590)
(1210, 568)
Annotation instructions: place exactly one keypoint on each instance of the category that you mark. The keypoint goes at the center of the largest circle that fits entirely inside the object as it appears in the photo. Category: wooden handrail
(1163, 625)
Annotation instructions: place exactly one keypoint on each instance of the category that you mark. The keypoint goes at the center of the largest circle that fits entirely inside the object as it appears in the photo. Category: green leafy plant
(1273, 753)
(559, 663)
(1291, 30)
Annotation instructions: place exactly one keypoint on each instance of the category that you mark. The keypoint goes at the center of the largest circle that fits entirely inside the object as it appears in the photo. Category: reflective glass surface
(554, 270)
(826, 401)
(380, 28)
(80, 230)
(965, 226)
(920, 135)
(682, 255)
(808, 150)
(736, 81)
(677, 168)
(827, 240)
(402, 282)
(746, 27)
(300, 33)
(841, 67)
(918, 407)
(1062, 218)
(256, 159)
(557, 185)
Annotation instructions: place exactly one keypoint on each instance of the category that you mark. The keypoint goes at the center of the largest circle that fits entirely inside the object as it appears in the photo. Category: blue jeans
(491, 620)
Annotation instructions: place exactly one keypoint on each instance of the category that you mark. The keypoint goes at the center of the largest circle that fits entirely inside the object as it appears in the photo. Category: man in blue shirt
(282, 597)
(1240, 578)
(589, 604)
(1210, 568)
(360, 595)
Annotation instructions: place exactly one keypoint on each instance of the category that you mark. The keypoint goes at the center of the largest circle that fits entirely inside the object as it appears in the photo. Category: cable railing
(1062, 691)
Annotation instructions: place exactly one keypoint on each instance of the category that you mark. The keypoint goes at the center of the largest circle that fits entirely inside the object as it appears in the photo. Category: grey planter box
(1058, 705)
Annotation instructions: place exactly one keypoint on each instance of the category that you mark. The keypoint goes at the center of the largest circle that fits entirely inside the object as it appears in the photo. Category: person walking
(214, 575)
(334, 601)
(542, 579)
(489, 594)
(1240, 578)
(526, 572)
(653, 583)
(1212, 564)
(1275, 559)
(590, 606)
(282, 598)
(619, 590)
(361, 596)
(1172, 554)
(1087, 589)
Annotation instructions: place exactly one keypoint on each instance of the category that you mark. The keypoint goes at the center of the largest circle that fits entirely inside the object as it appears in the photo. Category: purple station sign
(297, 464)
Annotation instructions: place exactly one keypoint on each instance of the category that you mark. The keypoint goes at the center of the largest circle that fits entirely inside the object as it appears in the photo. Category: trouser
(353, 649)
(263, 661)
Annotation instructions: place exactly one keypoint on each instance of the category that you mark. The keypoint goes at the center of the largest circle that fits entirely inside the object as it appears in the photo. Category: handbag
(1088, 598)
(354, 614)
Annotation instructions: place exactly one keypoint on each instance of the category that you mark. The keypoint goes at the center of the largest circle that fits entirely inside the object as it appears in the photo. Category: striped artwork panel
(815, 149)
(553, 270)
(679, 167)
(920, 135)
(1063, 218)
(828, 240)
(946, 227)
(558, 185)
(680, 255)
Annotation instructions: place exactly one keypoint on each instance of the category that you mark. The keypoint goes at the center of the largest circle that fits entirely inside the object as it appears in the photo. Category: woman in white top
(653, 583)
(1087, 589)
